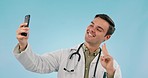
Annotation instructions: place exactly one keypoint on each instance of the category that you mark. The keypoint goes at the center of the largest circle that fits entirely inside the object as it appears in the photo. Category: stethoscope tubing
(79, 58)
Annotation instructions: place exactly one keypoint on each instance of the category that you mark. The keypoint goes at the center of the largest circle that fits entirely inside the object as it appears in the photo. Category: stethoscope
(79, 57)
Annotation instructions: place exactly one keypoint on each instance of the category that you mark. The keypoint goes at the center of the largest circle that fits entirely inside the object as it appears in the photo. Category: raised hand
(107, 62)
(23, 40)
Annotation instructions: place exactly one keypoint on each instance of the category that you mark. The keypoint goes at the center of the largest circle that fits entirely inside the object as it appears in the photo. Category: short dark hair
(110, 21)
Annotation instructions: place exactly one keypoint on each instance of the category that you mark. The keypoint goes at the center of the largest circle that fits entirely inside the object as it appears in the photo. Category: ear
(107, 37)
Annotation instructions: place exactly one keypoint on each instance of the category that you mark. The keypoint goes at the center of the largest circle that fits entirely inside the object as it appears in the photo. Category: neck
(92, 47)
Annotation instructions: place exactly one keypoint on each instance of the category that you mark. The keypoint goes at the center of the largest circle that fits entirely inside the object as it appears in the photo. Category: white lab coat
(56, 61)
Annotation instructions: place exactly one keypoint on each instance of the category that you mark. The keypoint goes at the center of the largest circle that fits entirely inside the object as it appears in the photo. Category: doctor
(87, 60)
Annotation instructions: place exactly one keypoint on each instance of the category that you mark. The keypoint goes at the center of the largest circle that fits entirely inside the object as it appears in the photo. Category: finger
(20, 37)
(106, 58)
(104, 49)
(25, 28)
(102, 58)
(22, 29)
(19, 31)
(23, 25)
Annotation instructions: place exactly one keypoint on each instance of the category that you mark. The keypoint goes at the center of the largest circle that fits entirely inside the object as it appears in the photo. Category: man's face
(96, 31)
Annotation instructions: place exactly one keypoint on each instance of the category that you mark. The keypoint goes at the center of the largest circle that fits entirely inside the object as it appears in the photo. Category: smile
(90, 34)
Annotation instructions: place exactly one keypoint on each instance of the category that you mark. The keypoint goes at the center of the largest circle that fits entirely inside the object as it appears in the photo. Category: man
(87, 60)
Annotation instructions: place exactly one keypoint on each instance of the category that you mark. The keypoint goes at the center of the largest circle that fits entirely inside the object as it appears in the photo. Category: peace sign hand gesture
(107, 62)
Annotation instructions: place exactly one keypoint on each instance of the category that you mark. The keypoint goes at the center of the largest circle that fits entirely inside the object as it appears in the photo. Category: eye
(99, 29)
(91, 25)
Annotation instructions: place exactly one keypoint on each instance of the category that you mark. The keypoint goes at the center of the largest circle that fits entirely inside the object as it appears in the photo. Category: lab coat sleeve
(41, 64)
(117, 73)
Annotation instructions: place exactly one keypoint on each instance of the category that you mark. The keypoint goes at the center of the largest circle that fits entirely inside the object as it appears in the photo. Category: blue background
(57, 24)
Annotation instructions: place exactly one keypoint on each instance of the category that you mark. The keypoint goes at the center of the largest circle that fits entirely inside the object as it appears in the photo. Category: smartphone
(26, 20)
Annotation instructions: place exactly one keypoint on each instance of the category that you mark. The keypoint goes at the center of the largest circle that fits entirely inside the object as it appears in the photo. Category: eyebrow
(98, 26)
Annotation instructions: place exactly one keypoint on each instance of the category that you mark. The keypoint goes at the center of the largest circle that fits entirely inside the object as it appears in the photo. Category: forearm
(35, 63)
(28, 59)
(25, 57)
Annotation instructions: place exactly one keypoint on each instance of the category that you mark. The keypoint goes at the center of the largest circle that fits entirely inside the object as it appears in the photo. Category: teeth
(90, 34)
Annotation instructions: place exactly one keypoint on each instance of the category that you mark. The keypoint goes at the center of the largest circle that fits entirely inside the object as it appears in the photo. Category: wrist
(110, 73)
(22, 47)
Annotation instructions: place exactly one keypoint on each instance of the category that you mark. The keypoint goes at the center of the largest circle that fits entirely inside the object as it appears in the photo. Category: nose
(92, 29)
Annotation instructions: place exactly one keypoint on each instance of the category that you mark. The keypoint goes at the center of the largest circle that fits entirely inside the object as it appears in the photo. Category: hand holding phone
(26, 20)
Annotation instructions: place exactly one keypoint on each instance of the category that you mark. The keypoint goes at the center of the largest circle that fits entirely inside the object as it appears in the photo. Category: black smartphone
(26, 20)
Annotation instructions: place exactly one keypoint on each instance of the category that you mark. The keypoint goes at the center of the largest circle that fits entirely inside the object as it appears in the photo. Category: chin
(89, 41)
